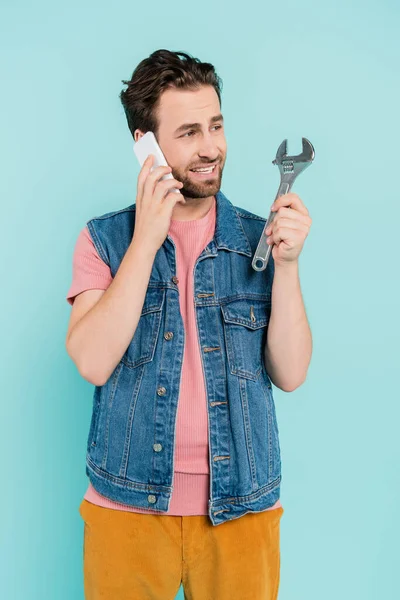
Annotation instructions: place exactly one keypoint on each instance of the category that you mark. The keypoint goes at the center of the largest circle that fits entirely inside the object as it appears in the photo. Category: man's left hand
(289, 229)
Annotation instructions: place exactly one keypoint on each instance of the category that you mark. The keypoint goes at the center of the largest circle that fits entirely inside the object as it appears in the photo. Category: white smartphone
(149, 145)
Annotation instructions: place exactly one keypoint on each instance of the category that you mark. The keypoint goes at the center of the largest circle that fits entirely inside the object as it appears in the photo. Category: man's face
(191, 136)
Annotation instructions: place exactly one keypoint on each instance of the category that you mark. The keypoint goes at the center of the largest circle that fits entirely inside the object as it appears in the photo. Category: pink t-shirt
(190, 493)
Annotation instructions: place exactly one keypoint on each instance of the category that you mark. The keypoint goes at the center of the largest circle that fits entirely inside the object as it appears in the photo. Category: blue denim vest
(130, 447)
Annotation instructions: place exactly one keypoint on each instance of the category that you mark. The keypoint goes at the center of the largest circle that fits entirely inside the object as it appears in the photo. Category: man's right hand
(154, 205)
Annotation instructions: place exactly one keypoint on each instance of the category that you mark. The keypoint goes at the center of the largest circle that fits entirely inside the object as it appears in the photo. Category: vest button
(157, 447)
(151, 498)
(168, 335)
(175, 279)
(161, 391)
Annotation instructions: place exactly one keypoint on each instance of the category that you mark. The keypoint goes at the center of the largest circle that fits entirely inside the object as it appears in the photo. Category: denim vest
(130, 447)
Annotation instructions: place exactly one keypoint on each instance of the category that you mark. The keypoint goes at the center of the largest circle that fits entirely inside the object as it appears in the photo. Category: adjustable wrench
(289, 167)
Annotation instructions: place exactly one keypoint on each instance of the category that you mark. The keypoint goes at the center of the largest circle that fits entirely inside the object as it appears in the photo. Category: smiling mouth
(204, 172)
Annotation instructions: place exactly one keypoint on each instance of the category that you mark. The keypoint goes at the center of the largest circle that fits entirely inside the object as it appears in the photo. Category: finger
(292, 200)
(290, 213)
(285, 234)
(287, 223)
(171, 199)
(153, 178)
(162, 188)
(144, 172)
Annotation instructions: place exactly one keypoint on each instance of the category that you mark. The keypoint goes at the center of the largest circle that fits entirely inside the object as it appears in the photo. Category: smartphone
(149, 145)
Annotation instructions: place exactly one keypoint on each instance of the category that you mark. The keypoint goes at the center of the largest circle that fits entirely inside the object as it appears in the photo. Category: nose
(208, 147)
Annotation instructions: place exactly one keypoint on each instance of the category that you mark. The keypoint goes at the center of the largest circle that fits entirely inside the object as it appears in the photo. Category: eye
(188, 133)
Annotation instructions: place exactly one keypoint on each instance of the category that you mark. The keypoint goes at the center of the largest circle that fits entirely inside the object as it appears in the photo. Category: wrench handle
(263, 251)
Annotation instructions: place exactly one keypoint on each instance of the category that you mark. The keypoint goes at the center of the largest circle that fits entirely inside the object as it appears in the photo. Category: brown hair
(162, 70)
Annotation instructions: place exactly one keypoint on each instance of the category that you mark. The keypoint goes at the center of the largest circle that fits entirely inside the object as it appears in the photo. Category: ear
(138, 134)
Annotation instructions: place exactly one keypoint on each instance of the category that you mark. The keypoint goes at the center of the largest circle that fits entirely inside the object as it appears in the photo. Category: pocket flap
(250, 313)
(153, 301)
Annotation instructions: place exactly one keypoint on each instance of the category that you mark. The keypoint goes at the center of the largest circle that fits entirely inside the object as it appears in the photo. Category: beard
(202, 188)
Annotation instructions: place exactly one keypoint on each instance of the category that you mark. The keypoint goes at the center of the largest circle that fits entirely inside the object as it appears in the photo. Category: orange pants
(134, 556)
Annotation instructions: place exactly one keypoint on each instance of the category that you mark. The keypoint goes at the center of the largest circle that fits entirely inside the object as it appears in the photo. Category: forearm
(289, 342)
(99, 340)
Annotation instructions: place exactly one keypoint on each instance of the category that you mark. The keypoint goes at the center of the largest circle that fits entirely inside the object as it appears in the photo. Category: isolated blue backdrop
(326, 71)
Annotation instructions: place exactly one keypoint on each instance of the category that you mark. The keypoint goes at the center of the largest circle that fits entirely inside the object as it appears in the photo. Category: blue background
(326, 71)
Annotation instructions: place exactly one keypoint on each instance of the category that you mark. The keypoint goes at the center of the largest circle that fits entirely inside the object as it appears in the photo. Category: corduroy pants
(135, 556)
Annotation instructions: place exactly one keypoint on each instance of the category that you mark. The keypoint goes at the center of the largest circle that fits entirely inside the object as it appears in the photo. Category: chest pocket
(245, 326)
(142, 346)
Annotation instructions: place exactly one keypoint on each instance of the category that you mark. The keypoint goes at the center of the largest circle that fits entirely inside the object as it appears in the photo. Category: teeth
(205, 170)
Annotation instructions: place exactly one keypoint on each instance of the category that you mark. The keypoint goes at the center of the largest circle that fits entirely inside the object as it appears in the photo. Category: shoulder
(123, 213)
(85, 249)
(249, 216)
(252, 224)
(112, 231)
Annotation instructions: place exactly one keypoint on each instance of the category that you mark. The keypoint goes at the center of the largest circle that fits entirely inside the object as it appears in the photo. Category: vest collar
(229, 233)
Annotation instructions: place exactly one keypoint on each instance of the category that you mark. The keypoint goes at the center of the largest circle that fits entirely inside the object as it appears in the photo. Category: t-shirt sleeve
(89, 271)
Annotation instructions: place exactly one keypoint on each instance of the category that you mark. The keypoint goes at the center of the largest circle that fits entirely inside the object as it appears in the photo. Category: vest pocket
(142, 346)
(245, 326)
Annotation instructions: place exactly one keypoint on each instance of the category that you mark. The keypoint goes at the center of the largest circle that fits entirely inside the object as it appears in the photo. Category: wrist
(141, 248)
(287, 266)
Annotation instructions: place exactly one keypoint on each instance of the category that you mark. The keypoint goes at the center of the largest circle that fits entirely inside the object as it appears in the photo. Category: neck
(195, 208)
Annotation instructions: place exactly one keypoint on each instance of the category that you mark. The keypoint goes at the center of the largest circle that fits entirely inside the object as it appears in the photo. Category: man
(167, 308)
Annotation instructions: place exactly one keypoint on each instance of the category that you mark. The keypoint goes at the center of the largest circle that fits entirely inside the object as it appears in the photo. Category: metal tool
(289, 167)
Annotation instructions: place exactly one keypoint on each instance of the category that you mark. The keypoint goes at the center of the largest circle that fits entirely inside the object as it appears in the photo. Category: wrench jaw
(308, 151)
(306, 156)
(281, 153)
